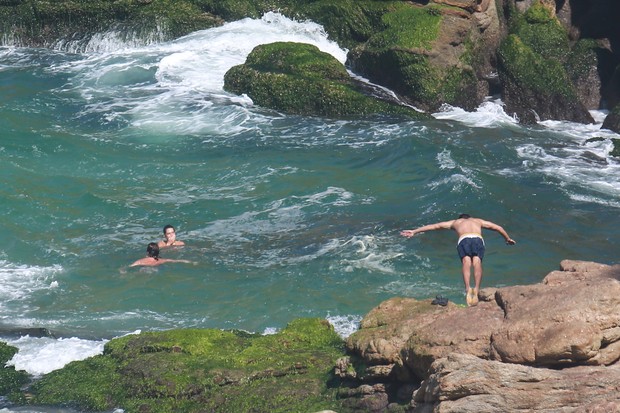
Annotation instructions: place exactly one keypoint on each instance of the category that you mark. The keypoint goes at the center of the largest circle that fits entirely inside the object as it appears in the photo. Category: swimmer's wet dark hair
(464, 216)
(168, 227)
(152, 250)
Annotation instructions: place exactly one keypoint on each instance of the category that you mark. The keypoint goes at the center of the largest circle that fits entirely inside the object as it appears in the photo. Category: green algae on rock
(423, 53)
(298, 78)
(10, 379)
(532, 67)
(44, 23)
(203, 370)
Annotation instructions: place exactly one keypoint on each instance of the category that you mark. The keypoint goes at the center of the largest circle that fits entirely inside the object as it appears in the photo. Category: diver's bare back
(467, 226)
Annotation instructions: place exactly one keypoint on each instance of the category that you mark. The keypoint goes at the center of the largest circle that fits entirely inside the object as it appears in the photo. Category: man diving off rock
(470, 246)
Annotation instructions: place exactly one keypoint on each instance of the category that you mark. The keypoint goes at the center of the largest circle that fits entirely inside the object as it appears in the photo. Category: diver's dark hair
(464, 216)
(152, 250)
(167, 227)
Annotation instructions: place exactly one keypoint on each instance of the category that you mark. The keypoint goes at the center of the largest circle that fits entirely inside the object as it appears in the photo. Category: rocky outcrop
(550, 59)
(461, 383)
(539, 347)
(533, 66)
(612, 122)
(53, 24)
(300, 79)
(548, 347)
(204, 370)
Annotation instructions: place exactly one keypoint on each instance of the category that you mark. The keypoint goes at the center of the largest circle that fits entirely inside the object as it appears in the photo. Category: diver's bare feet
(474, 297)
(470, 297)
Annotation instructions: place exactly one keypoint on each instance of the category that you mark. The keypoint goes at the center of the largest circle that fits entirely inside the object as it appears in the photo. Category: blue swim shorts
(471, 247)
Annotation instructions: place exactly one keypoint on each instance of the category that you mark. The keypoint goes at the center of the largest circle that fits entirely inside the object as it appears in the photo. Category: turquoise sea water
(285, 216)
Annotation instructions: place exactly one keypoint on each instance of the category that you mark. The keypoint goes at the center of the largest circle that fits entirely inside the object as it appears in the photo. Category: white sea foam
(368, 253)
(460, 178)
(456, 182)
(578, 157)
(573, 157)
(490, 114)
(18, 282)
(375, 262)
(444, 158)
(345, 325)
(41, 355)
(270, 331)
(178, 86)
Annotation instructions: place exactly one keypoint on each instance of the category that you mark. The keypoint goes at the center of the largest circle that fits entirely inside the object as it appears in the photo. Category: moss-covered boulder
(300, 79)
(612, 122)
(49, 23)
(204, 371)
(10, 379)
(537, 67)
(431, 54)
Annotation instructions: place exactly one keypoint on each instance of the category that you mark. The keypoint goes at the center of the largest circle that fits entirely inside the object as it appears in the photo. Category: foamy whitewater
(286, 216)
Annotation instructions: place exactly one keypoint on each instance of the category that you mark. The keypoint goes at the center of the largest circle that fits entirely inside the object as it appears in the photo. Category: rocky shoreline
(550, 347)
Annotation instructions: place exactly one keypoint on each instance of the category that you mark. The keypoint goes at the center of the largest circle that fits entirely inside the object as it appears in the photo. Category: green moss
(296, 59)
(582, 58)
(538, 13)
(349, 22)
(6, 352)
(178, 18)
(300, 79)
(542, 32)
(234, 9)
(204, 370)
(396, 56)
(530, 70)
(91, 384)
(45, 22)
(408, 27)
(421, 80)
(10, 379)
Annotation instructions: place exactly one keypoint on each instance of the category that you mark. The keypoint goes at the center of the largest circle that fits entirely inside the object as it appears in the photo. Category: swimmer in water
(152, 258)
(170, 238)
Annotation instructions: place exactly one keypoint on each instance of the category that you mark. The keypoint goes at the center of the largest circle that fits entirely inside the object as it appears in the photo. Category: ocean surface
(284, 216)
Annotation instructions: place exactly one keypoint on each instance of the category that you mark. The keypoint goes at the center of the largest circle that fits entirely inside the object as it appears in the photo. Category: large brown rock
(549, 347)
(571, 318)
(461, 383)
